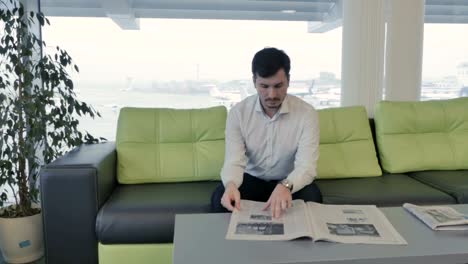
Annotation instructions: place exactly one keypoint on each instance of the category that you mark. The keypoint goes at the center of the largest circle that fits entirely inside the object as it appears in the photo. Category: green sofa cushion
(346, 145)
(388, 190)
(170, 145)
(418, 136)
(454, 183)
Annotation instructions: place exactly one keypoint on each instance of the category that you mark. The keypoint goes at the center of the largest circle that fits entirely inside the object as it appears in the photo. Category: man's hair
(269, 61)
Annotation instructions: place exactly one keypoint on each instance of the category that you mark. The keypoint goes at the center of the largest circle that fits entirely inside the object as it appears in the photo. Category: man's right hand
(231, 194)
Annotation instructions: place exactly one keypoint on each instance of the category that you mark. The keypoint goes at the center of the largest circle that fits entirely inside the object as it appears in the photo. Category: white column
(404, 51)
(362, 53)
(34, 5)
(35, 28)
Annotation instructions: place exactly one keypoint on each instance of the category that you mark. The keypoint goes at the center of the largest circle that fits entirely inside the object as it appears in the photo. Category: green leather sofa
(422, 149)
(116, 202)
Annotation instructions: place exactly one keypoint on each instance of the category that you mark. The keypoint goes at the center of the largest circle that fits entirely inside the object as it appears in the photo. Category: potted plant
(38, 123)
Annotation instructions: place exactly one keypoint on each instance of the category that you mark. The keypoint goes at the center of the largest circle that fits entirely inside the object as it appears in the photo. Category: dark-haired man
(272, 142)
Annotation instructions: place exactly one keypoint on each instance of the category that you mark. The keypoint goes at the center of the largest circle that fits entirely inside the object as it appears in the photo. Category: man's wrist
(230, 184)
(287, 184)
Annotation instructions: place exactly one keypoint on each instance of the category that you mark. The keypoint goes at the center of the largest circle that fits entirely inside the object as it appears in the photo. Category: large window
(189, 63)
(445, 61)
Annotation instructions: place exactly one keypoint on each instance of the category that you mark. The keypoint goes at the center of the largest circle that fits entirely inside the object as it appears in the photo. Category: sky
(178, 49)
(173, 49)
(445, 47)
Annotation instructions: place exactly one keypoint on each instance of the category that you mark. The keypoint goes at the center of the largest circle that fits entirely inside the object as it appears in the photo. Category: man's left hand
(280, 200)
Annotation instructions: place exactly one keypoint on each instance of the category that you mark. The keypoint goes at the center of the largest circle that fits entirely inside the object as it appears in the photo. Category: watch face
(287, 184)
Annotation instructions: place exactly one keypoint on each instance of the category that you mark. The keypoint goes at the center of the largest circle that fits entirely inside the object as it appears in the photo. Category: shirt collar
(284, 108)
(258, 106)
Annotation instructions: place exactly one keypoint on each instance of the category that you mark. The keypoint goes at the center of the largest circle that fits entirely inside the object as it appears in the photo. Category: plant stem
(24, 201)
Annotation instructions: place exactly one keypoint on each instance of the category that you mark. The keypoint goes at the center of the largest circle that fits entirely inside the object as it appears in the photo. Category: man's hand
(231, 194)
(280, 200)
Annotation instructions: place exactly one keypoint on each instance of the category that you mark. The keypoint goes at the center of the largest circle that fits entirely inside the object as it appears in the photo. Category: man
(272, 143)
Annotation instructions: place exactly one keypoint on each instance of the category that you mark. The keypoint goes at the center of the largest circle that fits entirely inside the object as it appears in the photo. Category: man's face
(272, 90)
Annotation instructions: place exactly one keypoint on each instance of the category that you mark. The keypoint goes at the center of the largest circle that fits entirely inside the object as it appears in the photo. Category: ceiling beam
(446, 19)
(121, 12)
(331, 20)
(219, 9)
(74, 12)
(446, 10)
(446, 2)
(234, 15)
(323, 27)
(237, 5)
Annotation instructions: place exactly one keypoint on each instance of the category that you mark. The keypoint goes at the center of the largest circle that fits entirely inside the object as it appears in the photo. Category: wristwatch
(287, 183)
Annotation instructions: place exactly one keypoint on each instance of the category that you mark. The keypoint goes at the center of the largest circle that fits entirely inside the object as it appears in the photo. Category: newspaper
(357, 224)
(439, 217)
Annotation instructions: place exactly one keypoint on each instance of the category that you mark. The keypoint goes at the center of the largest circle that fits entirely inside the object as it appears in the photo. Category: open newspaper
(360, 224)
(439, 217)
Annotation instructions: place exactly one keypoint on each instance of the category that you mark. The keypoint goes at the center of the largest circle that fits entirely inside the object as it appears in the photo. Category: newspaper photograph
(253, 223)
(334, 223)
(355, 224)
(439, 217)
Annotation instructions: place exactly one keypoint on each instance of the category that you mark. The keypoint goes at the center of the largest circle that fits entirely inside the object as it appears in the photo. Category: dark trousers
(256, 189)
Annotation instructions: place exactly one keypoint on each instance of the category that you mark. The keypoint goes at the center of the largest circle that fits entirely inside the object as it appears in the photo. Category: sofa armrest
(73, 188)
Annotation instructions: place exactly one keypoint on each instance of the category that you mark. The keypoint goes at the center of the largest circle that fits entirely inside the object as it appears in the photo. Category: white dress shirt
(284, 146)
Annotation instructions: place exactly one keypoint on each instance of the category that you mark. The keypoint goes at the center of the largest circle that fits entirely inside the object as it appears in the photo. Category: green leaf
(40, 18)
(69, 83)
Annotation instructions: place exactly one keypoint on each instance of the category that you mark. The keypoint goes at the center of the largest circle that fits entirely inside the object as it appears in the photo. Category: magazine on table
(439, 217)
(358, 224)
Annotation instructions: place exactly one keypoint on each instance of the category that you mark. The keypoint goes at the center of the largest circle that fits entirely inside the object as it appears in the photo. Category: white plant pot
(21, 239)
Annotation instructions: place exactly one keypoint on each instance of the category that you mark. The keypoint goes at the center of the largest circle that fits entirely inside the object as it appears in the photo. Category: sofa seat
(453, 182)
(145, 213)
(386, 190)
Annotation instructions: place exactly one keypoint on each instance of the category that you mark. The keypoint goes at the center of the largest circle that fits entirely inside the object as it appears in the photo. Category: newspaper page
(253, 223)
(439, 217)
(356, 224)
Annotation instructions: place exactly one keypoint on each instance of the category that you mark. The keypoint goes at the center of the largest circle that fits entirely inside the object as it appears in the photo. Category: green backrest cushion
(170, 145)
(418, 136)
(346, 146)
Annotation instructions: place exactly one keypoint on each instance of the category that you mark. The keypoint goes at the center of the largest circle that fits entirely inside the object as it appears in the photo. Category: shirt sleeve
(305, 162)
(235, 158)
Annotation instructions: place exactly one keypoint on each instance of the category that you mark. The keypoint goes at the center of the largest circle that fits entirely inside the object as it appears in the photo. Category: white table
(200, 239)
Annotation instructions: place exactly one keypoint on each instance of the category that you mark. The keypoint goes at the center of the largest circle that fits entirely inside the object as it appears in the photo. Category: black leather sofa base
(73, 188)
(145, 213)
(454, 182)
(387, 190)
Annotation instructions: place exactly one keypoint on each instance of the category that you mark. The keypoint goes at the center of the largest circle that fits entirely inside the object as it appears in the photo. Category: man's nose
(272, 93)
